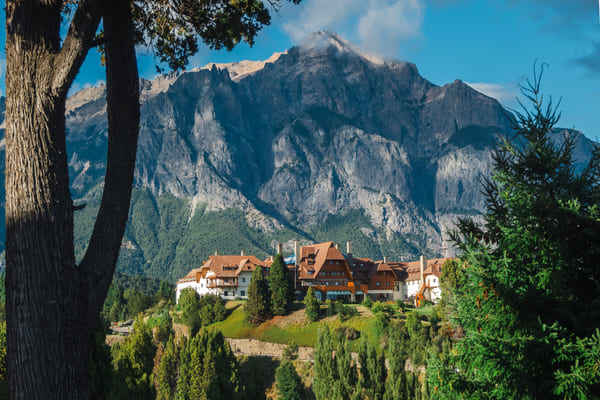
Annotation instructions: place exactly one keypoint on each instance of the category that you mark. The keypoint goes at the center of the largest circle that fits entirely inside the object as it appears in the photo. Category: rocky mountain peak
(321, 41)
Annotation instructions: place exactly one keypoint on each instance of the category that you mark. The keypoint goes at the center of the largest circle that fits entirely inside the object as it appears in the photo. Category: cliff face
(320, 130)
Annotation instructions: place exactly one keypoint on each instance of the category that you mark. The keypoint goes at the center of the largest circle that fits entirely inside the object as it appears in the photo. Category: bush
(381, 323)
(312, 305)
(377, 307)
(348, 332)
(290, 352)
(367, 302)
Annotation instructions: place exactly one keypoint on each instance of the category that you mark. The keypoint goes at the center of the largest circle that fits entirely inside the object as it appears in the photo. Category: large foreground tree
(52, 303)
(529, 298)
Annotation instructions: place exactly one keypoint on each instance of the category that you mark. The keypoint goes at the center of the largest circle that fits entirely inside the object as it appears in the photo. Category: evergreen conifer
(258, 306)
(530, 300)
(372, 371)
(282, 292)
(166, 380)
(311, 304)
(289, 384)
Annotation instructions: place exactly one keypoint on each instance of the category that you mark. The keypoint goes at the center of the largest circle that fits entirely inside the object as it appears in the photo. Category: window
(378, 283)
(243, 280)
(323, 273)
(330, 262)
(226, 293)
(387, 284)
(242, 292)
(310, 272)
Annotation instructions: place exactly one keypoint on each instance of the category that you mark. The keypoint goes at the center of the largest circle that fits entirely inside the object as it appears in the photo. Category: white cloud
(503, 93)
(386, 26)
(379, 26)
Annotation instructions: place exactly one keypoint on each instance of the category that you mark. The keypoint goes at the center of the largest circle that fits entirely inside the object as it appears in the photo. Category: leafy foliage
(171, 27)
(200, 311)
(282, 291)
(530, 300)
(258, 306)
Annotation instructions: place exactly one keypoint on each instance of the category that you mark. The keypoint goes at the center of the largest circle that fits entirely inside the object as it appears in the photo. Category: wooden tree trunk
(52, 303)
(44, 305)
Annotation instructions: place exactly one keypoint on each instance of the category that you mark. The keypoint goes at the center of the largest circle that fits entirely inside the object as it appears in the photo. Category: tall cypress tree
(258, 306)
(529, 302)
(311, 304)
(372, 371)
(396, 384)
(282, 292)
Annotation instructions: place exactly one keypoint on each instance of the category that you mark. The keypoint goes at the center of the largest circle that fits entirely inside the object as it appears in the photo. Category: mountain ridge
(320, 142)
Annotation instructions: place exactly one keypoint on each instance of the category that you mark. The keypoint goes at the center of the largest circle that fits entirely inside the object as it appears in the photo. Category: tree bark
(52, 304)
(123, 110)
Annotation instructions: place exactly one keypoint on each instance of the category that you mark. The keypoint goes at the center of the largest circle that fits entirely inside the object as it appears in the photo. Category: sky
(490, 44)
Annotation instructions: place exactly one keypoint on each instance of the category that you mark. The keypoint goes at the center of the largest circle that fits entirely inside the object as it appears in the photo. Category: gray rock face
(320, 130)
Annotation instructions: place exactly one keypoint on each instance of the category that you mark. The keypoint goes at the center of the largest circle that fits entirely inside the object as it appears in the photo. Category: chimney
(423, 267)
(337, 246)
(243, 253)
(349, 253)
(279, 248)
(297, 251)
(216, 253)
(385, 259)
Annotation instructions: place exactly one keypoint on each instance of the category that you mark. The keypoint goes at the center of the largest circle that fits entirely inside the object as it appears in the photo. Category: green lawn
(302, 333)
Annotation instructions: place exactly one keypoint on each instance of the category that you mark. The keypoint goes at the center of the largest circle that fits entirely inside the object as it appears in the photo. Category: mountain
(321, 142)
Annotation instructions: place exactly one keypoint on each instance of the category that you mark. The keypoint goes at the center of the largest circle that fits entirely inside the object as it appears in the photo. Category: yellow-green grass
(302, 333)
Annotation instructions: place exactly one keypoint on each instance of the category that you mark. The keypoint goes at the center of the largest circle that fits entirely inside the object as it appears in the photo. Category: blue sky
(491, 45)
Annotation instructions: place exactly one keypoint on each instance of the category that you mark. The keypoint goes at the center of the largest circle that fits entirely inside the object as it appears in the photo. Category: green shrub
(367, 302)
(377, 307)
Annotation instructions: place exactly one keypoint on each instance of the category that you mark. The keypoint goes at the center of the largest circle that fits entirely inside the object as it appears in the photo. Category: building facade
(331, 274)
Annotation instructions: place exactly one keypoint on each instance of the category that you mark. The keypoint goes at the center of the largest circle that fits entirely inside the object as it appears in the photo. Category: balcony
(218, 283)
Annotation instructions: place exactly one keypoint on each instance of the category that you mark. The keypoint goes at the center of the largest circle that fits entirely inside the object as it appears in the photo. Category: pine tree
(396, 384)
(282, 292)
(166, 380)
(311, 304)
(530, 300)
(325, 369)
(134, 362)
(258, 306)
(208, 369)
(189, 304)
(289, 384)
(372, 371)
(335, 376)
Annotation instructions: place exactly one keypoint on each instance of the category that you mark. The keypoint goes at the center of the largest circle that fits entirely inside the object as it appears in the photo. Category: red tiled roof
(313, 257)
(231, 266)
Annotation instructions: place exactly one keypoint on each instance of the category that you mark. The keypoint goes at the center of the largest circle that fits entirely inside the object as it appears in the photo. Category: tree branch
(98, 264)
(77, 43)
